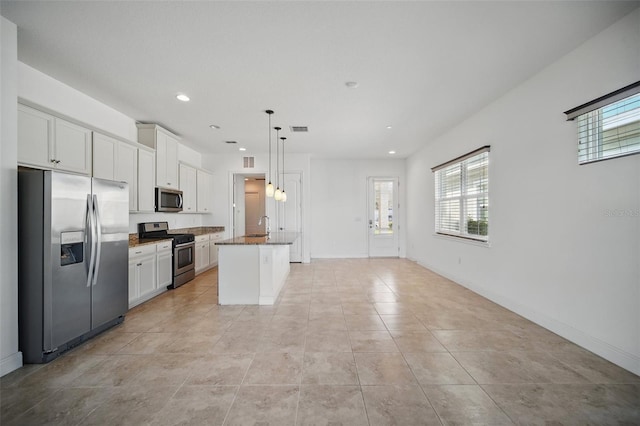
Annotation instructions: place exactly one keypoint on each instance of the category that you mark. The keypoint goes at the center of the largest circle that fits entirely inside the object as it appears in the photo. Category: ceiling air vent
(299, 129)
(248, 162)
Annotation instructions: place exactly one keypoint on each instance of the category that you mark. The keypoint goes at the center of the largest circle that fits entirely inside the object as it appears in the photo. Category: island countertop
(277, 238)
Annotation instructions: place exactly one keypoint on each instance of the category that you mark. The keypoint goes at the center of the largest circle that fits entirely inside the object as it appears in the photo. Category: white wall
(224, 166)
(41, 89)
(339, 205)
(10, 357)
(556, 257)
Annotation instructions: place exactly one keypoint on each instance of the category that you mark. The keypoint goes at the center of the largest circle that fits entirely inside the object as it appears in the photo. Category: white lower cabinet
(202, 253)
(213, 248)
(142, 273)
(165, 267)
(150, 271)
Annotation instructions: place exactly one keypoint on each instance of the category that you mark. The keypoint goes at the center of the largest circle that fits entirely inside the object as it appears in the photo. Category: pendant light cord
(269, 112)
(277, 158)
(283, 139)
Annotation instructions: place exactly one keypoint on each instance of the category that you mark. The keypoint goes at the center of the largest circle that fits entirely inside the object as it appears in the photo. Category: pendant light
(277, 195)
(269, 190)
(283, 197)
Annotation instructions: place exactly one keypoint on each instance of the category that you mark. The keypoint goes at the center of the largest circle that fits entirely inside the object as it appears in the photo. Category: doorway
(248, 204)
(289, 213)
(383, 217)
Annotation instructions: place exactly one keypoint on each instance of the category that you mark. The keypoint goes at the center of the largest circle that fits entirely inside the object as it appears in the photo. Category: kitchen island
(253, 269)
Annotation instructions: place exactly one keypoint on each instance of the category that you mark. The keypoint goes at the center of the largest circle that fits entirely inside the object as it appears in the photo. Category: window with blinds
(462, 196)
(609, 126)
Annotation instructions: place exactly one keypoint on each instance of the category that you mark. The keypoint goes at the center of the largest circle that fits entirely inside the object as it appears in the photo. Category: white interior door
(290, 212)
(383, 217)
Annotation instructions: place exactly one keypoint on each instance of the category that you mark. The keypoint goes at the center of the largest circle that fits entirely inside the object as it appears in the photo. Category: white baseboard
(10, 363)
(607, 351)
(337, 256)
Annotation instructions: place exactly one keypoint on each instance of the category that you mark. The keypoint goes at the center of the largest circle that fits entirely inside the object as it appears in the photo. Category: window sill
(477, 243)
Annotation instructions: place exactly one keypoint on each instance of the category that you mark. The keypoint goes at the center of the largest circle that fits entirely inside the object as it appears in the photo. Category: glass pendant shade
(270, 190)
(277, 195)
(283, 197)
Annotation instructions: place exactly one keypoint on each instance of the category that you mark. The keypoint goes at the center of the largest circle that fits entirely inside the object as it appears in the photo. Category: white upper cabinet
(104, 157)
(188, 188)
(146, 180)
(127, 171)
(35, 137)
(204, 199)
(166, 146)
(117, 160)
(72, 147)
(51, 142)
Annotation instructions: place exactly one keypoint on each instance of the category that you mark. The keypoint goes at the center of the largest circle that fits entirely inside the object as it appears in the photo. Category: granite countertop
(198, 230)
(277, 238)
(135, 242)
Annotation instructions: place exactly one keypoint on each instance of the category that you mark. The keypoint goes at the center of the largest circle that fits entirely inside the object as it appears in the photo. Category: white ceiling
(421, 66)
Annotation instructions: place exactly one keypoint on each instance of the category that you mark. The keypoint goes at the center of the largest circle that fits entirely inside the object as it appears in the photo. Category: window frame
(590, 121)
(463, 197)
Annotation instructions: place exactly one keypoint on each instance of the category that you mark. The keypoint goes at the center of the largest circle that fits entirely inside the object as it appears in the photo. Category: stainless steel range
(184, 269)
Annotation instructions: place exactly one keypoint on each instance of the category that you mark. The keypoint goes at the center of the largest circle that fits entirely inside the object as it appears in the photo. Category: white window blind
(462, 196)
(609, 126)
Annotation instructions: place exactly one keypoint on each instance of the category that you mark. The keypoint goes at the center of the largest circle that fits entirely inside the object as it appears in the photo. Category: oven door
(184, 258)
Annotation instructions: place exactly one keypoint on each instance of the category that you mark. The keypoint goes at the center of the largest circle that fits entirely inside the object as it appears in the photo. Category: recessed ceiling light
(182, 97)
(242, 149)
(214, 126)
(392, 152)
(389, 127)
(351, 84)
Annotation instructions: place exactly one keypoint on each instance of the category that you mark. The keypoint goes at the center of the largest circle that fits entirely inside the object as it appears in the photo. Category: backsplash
(175, 220)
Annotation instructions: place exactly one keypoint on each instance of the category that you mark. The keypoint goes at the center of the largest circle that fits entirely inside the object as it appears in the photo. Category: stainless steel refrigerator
(72, 261)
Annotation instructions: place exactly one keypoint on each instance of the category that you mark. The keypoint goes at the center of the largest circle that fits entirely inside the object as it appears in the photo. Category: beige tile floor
(350, 342)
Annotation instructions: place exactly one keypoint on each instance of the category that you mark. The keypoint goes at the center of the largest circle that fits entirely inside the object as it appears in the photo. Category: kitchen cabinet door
(204, 199)
(127, 171)
(104, 157)
(213, 248)
(147, 277)
(142, 274)
(166, 160)
(72, 147)
(202, 253)
(164, 265)
(35, 138)
(52, 143)
(146, 180)
(134, 285)
(188, 188)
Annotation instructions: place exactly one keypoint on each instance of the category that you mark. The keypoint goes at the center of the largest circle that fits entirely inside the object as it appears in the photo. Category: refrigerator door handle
(98, 228)
(179, 202)
(91, 232)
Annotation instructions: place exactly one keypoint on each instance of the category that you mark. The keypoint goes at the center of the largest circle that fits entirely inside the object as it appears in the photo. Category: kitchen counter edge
(277, 238)
(196, 231)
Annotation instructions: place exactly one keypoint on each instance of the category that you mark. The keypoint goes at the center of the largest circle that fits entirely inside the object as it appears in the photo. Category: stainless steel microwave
(168, 200)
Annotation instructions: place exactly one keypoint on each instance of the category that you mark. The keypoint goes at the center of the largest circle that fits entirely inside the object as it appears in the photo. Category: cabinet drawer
(218, 236)
(142, 250)
(164, 246)
(202, 238)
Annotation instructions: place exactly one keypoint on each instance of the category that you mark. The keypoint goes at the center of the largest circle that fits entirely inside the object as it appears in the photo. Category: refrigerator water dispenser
(71, 248)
